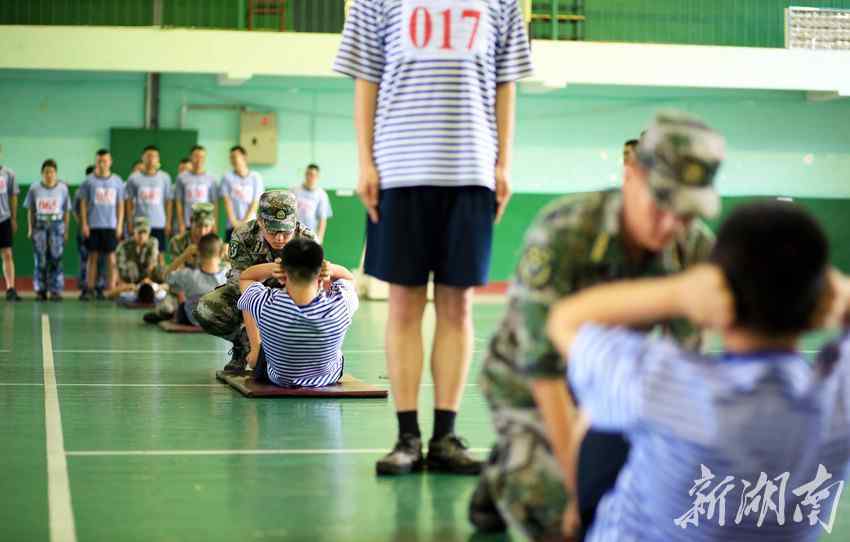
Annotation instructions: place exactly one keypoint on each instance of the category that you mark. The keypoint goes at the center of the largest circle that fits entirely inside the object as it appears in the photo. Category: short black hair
(197, 148)
(102, 152)
(239, 148)
(775, 257)
(50, 162)
(209, 245)
(631, 143)
(302, 259)
(146, 294)
(89, 170)
(313, 166)
(185, 161)
(150, 148)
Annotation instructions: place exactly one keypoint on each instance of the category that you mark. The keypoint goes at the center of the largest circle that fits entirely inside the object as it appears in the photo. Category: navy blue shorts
(425, 229)
(6, 233)
(602, 455)
(102, 240)
(159, 235)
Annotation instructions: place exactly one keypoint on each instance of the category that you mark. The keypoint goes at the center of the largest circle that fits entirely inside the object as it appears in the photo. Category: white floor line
(140, 351)
(21, 384)
(326, 451)
(119, 385)
(61, 516)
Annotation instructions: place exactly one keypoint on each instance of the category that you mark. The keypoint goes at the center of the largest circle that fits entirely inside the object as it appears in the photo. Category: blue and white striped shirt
(737, 415)
(302, 344)
(437, 64)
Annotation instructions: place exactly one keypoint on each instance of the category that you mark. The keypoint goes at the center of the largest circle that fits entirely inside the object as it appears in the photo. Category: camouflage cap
(202, 213)
(278, 210)
(141, 223)
(682, 155)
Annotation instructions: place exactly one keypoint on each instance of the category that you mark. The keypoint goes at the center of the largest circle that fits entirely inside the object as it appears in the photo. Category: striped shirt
(735, 415)
(437, 64)
(302, 344)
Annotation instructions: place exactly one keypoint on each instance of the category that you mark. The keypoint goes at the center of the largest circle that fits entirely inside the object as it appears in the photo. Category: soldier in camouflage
(649, 228)
(258, 241)
(138, 256)
(202, 222)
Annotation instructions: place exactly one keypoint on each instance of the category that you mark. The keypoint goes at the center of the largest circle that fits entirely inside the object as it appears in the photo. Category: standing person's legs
(40, 257)
(452, 352)
(112, 270)
(55, 250)
(91, 269)
(404, 344)
(83, 253)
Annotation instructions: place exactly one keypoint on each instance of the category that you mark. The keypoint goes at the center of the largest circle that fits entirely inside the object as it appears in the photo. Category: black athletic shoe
(405, 458)
(56, 297)
(154, 318)
(483, 513)
(12, 295)
(98, 294)
(450, 454)
(41, 296)
(86, 295)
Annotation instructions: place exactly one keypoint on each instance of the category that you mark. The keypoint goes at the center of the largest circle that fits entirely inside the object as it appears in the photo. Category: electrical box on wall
(258, 134)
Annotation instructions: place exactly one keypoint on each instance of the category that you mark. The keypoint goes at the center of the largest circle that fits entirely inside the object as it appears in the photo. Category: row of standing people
(108, 200)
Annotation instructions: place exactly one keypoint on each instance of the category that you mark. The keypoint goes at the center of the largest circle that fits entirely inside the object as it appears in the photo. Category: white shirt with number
(437, 64)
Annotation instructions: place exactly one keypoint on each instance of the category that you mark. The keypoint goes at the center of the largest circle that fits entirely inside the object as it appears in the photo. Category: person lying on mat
(296, 331)
(188, 283)
(146, 292)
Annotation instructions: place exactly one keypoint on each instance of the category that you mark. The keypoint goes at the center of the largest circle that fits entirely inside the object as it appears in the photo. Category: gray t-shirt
(8, 189)
(191, 189)
(194, 283)
(242, 191)
(102, 197)
(48, 203)
(313, 206)
(149, 194)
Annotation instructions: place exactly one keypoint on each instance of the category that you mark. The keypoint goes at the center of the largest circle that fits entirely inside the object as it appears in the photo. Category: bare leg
(8, 268)
(452, 352)
(404, 344)
(112, 271)
(91, 270)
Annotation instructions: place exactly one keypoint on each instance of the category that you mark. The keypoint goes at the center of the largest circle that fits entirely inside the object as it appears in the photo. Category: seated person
(296, 332)
(137, 259)
(736, 446)
(189, 283)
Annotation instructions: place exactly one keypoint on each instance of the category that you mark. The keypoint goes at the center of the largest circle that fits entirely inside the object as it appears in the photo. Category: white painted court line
(140, 351)
(327, 451)
(61, 516)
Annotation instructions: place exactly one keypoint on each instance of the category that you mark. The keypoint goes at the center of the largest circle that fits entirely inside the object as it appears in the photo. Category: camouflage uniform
(216, 311)
(201, 212)
(134, 261)
(573, 244)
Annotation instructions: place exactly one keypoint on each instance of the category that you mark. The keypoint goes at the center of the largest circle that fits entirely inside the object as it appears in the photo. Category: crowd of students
(106, 210)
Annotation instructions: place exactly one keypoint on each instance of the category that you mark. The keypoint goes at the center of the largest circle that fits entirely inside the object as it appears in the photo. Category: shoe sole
(439, 466)
(393, 470)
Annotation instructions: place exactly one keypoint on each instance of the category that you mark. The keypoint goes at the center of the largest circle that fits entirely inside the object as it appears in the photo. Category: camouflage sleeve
(240, 255)
(545, 274)
(122, 261)
(698, 247)
(173, 247)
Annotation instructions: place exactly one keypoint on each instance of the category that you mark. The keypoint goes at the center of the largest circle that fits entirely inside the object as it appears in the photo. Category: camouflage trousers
(217, 313)
(48, 243)
(523, 476)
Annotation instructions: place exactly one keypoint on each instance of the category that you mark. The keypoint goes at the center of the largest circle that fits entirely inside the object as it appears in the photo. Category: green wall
(567, 141)
(750, 23)
(346, 232)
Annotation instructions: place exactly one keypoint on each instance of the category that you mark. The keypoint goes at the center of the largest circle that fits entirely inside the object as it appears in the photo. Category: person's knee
(453, 305)
(407, 304)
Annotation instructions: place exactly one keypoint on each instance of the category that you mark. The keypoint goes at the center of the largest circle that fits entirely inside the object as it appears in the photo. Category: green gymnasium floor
(157, 450)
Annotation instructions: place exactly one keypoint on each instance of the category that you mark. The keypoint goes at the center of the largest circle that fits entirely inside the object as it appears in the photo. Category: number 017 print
(444, 29)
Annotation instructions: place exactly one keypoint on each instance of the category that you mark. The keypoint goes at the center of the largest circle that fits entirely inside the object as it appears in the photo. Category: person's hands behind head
(279, 274)
(832, 310)
(325, 275)
(191, 251)
(705, 298)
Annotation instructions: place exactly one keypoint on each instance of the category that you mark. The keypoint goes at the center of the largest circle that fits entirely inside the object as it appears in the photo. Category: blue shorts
(447, 231)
